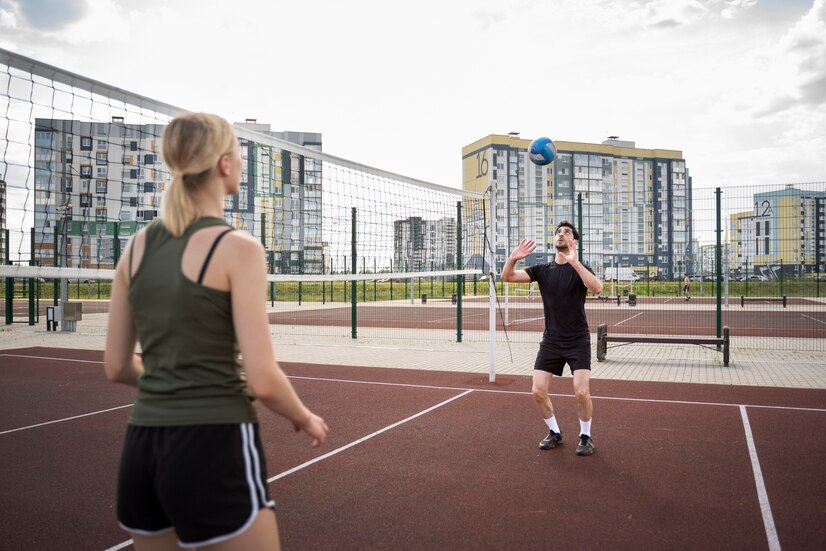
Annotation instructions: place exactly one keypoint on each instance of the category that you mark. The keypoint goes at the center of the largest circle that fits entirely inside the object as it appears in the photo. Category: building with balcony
(633, 205)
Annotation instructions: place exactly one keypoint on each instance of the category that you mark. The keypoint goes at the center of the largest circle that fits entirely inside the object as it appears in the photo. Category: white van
(620, 274)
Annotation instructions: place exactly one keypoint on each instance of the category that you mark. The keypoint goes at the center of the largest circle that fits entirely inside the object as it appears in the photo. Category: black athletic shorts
(553, 355)
(206, 482)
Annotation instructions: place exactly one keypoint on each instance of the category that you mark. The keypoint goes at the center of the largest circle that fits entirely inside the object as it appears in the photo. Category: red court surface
(681, 320)
(445, 460)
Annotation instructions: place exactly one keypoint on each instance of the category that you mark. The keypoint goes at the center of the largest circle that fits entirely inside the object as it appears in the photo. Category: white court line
(815, 319)
(765, 508)
(628, 319)
(526, 320)
(64, 419)
(526, 392)
(365, 438)
(52, 358)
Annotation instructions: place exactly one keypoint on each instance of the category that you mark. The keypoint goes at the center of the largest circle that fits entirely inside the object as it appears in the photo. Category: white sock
(551, 422)
(584, 427)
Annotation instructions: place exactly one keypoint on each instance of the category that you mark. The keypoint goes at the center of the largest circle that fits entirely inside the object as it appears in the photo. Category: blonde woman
(190, 289)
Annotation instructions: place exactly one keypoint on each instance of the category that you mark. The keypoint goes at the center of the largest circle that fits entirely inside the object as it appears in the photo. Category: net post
(353, 289)
(460, 279)
(492, 292)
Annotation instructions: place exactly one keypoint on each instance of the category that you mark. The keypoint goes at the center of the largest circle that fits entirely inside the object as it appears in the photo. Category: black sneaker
(551, 441)
(585, 446)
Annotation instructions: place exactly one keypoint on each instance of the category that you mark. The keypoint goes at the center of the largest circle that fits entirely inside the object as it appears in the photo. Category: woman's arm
(248, 279)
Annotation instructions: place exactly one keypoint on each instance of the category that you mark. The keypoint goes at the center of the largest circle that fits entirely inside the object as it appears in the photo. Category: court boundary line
(628, 319)
(414, 385)
(762, 494)
(65, 419)
(557, 395)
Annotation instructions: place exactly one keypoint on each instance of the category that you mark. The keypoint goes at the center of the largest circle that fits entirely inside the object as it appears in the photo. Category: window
(133, 146)
(149, 159)
(100, 215)
(86, 171)
(148, 187)
(100, 186)
(133, 201)
(67, 157)
(66, 185)
(101, 171)
(101, 158)
(102, 145)
(85, 200)
(85, 143)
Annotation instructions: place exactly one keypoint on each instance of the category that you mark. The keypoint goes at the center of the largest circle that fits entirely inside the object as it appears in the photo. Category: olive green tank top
(192, 375)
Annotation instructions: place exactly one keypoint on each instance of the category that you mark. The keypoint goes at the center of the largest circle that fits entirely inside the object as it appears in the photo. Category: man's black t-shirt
(563, 300)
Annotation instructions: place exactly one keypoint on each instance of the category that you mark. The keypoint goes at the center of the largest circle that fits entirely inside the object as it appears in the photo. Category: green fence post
(579, 221)
(56, 282)
(353, 289)
(9, 282)
(719, 261)
(781, 277)
(32, 283)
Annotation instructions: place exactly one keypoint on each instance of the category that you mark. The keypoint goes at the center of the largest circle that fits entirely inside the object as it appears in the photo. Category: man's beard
(563, 247)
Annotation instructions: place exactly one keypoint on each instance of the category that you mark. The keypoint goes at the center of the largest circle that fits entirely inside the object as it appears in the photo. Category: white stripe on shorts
(252, 468)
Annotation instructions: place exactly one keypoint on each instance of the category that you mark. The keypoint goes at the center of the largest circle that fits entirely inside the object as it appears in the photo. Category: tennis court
(432, 459)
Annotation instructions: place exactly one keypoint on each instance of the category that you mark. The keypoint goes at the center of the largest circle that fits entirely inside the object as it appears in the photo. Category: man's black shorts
(207, 482)
(553, 355)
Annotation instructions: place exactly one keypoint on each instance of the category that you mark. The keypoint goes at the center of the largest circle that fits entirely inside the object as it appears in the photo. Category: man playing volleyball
(563, 285)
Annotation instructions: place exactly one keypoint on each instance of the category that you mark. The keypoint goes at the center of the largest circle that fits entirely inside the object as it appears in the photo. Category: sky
(739, 86)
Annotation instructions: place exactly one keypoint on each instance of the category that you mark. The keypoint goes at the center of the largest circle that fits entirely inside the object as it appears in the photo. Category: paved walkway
(765, 366)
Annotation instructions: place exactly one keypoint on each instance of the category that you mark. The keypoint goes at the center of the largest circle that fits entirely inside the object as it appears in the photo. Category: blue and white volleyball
(542, 151)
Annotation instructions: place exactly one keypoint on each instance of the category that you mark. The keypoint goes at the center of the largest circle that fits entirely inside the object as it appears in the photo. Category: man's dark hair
(568, 224)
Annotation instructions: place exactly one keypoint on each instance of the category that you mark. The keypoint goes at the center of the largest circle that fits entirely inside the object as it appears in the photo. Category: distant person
(563, 284)
(686, 287)
(190, 290)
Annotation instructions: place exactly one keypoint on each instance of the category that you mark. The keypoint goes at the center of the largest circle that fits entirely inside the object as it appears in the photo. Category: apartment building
(784, 232)
(632, 204)
(421, 245)
(96, 184)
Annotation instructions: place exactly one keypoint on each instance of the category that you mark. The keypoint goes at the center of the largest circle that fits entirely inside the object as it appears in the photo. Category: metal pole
(719, 269)
(579, 221)
(492, 290)
(9, 282)
(353, 319)
(460, 279)
(32, 284)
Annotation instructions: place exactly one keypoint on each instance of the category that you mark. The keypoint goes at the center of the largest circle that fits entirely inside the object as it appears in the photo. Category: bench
(630, 299)
(743, 300)
(603, 338)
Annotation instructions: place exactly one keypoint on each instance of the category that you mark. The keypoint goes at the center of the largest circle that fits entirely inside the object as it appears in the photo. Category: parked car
(757, 277)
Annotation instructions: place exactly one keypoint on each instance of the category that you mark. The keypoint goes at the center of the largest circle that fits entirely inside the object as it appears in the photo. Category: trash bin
(632, 299)
(51, 323)
(424, 298)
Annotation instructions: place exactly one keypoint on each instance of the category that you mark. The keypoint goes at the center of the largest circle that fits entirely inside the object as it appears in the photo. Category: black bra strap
(209, 255)
(131, 249)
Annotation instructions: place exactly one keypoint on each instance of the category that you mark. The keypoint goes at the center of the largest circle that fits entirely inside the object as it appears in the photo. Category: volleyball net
(81, 172)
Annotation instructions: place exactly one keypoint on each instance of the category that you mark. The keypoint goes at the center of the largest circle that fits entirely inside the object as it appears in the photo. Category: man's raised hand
(525, 247)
